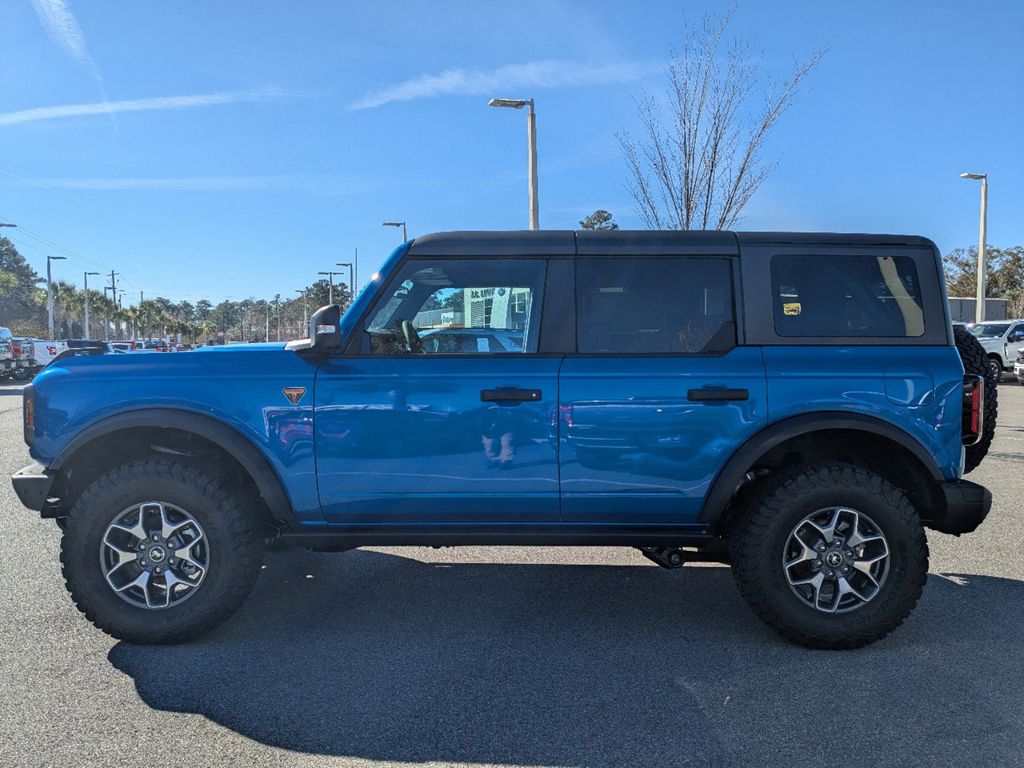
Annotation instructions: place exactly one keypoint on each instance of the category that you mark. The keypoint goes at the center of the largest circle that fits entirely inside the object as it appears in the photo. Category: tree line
(23, 310)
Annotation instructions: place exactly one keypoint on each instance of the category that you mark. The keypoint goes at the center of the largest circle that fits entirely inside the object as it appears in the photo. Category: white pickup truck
(1002, 341)
(32, 355)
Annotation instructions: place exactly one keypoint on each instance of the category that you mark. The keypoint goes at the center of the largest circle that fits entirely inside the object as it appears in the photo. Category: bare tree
(699, 162)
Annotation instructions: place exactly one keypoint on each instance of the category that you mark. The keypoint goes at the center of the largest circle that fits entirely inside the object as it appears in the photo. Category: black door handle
(717, 395)
(509, 394)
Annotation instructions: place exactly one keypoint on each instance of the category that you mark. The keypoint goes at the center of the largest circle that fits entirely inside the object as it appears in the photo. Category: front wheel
(156, 551)
(831, 556)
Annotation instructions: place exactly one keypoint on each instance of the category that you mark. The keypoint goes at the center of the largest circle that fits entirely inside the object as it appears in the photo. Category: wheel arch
(165, 422)
(907, 463)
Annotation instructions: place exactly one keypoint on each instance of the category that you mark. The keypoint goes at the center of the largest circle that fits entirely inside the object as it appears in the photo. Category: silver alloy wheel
(836, 560)
(154, 555)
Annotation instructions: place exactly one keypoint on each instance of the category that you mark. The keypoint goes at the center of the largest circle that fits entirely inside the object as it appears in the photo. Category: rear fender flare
(731, 476)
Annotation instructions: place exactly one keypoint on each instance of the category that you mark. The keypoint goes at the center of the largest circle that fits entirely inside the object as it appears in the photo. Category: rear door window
(851, 296)
(654, 306)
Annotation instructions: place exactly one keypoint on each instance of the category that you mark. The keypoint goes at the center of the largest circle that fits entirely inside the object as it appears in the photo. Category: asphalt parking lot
(517, 656)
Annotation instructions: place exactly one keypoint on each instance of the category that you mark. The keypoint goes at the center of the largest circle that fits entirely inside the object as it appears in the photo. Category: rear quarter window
(866, 296)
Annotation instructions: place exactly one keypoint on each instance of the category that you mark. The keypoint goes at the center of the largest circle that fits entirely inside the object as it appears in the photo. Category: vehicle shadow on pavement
(381, 657)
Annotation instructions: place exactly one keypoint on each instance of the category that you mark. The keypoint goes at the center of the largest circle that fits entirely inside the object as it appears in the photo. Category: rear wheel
(832, 556)
(976, 363)
(156, 551)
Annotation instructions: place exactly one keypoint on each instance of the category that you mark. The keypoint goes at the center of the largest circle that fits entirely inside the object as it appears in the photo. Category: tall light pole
(330, 290)
(277, 311)
(979, 310)
(85, 282)
(401, 224)
(351, 278)
(305, 307)
(49, 292)
(8, 225)
(531, 137)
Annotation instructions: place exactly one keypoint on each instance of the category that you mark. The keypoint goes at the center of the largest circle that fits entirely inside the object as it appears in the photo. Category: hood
(235, 359)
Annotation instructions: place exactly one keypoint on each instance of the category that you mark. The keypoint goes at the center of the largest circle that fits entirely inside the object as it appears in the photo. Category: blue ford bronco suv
(794, 405)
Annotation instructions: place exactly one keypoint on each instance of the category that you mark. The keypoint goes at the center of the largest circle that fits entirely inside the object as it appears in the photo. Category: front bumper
(32, 485)
(1018, 369)
(967, 505)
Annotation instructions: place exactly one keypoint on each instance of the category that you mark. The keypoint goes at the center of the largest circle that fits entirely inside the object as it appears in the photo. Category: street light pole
(86, 289)
(531, 138)
(330, 290)
(979, 310)
(405, 236)
(49, 292)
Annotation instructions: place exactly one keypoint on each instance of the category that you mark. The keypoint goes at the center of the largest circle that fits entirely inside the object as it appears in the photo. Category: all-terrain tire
(233, 533)
(759, 536)
(975, 361)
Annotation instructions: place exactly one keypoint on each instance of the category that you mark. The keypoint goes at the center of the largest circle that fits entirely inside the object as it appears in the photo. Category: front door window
(459, 307)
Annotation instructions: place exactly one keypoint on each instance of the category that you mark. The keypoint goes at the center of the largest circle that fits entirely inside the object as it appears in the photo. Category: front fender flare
(229, 439)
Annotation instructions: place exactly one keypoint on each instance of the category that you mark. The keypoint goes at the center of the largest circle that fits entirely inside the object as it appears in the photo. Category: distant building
(962, 309)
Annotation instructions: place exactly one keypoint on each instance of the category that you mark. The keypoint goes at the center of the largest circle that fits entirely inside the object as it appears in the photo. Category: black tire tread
(244, 530)
(746, 540)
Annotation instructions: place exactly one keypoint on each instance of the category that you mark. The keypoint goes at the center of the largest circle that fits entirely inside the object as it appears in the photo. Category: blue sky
(240, 147)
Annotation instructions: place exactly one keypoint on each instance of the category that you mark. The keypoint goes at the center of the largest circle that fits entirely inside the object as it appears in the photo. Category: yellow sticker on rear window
(791, 308)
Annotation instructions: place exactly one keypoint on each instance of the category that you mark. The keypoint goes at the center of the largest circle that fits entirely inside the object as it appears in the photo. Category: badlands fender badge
(294, 394)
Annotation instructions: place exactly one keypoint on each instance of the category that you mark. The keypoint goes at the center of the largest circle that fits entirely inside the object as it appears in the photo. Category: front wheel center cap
(834, 559)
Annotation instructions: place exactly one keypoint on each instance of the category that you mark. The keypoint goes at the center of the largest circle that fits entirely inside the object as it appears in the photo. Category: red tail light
(973, 423)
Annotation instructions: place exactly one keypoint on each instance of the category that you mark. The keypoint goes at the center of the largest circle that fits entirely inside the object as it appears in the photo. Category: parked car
(1018, 366)
(1001, 340)
(795, 405)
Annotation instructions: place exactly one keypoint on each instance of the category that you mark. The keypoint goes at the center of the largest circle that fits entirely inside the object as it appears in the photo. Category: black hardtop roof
(551, 242)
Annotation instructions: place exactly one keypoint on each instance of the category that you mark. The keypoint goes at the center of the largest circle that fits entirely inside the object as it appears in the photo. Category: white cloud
(132, 105)
(532, 75)
(327, 185)
(60, 25)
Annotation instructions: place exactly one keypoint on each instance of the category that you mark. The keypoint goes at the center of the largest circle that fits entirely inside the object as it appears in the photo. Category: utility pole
(266, 333)
(979, 310)
(113, 296)
(277, 309)
(85, 282)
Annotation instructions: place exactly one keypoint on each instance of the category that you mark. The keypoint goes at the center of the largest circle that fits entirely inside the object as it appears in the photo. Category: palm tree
(68, 303)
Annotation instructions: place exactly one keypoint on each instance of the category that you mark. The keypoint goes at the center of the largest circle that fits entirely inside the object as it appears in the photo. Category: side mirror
(325, 328)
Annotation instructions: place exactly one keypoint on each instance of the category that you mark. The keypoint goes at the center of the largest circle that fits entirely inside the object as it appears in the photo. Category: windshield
(990, 329)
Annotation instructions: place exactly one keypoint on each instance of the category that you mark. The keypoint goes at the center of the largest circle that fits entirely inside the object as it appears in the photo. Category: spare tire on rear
(976, 364)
